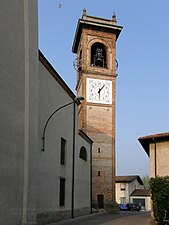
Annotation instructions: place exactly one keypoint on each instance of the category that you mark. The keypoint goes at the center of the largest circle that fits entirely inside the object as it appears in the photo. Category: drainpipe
(155, 158)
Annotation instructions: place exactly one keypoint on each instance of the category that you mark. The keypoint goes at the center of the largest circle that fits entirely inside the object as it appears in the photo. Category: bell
(98, 57)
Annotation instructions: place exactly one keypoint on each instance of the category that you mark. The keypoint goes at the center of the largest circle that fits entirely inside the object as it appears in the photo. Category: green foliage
(159, 187)
(146, 180)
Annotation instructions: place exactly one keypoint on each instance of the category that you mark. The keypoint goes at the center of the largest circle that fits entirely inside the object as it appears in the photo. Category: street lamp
(76, 99)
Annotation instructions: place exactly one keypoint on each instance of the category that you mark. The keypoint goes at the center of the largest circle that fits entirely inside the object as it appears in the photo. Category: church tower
(95, 46)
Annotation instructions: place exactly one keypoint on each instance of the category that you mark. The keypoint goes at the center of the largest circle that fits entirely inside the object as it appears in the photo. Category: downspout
(155, 158)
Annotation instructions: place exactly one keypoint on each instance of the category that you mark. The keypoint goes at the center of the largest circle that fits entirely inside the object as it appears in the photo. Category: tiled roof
(146, 140)
(166, 134)
(140, 192)
(128, 179)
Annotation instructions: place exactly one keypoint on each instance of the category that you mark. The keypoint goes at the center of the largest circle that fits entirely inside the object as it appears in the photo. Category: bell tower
(95, 46)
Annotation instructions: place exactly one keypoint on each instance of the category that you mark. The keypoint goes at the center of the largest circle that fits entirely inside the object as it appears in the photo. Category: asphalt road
(123, 218)
(139, 219)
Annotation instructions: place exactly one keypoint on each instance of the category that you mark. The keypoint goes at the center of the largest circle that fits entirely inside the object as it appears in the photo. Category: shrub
(159, 187)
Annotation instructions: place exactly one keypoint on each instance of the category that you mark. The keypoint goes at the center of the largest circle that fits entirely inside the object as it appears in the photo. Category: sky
(142, 92)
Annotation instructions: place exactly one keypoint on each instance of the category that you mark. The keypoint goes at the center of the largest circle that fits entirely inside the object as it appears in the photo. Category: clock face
(99, 91)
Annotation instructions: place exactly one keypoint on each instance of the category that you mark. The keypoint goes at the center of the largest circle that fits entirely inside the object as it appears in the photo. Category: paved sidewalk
(123, 218)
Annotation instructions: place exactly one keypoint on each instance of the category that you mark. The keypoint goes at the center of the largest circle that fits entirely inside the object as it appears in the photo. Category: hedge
(159, 187)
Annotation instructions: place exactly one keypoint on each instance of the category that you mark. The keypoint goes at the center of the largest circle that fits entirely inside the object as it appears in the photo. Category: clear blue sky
(143, 73)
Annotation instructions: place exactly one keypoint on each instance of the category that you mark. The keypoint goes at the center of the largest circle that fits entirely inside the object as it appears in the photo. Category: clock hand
(99, 92)
(100, 89)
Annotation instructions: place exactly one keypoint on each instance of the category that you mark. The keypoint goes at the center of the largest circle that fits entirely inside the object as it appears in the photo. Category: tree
(146, 180)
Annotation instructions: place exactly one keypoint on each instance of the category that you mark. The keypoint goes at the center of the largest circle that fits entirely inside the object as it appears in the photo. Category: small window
(99, 173)
(83, 153)
(62, 192)
(123, 189)
(63, 149)
(98, 150)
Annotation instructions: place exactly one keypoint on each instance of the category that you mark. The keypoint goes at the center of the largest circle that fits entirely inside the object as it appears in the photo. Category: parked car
(133, 207)
(122, 207)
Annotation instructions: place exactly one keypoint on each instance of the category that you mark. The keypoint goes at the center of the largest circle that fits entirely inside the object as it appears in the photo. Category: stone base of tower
(108, 207)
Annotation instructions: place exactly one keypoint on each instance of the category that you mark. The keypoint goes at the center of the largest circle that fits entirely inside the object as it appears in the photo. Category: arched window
(98, 55)
(83, 153)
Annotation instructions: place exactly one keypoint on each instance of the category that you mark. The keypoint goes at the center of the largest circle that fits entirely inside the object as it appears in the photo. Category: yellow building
(157, 148)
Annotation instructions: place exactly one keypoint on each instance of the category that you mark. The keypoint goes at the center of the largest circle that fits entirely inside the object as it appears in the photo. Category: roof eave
(82, 23)
(147, 140)
(145, 145)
